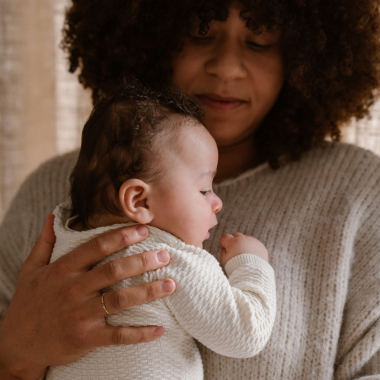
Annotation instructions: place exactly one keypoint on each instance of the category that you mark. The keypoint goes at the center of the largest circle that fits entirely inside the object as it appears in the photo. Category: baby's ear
(134, 199)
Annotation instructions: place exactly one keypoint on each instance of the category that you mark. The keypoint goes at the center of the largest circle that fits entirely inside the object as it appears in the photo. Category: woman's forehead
(259, 16)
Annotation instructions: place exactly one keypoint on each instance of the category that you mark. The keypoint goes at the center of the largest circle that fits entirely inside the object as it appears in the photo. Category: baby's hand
(237, 243)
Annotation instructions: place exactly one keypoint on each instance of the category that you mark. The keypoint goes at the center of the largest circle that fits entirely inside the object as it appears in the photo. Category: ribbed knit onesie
(319, 218)
(233, 317)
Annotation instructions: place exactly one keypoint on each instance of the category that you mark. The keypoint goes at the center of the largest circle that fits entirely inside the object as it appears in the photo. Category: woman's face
(234, 74)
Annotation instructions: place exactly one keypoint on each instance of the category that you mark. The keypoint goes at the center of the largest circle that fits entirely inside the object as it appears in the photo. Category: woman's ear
(134, 199)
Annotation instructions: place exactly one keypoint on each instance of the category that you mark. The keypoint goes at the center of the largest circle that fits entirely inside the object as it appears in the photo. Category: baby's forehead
(189, 135)
(189, 144)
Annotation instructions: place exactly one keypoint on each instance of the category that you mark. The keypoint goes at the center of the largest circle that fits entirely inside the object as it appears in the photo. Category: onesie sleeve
(232, 316)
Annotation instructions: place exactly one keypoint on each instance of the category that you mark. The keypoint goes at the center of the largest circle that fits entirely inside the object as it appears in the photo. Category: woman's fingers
(128, 297)
(126, 267)
(91, 252)
(41, 252)
(111, 335)
(62, 301)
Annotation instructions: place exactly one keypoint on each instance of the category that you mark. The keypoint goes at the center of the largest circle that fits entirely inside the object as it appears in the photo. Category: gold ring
(104, 306)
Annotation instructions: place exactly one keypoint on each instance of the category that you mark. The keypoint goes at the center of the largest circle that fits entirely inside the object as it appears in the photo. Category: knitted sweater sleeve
(359, 343)
(23, 222)
(233, 317)
(13, 234)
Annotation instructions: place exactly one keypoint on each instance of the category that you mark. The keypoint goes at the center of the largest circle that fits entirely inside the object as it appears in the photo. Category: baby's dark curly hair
(125, 133)
(331, 51)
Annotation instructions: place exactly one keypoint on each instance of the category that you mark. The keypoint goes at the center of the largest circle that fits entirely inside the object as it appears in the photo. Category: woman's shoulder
(337, 173)
(46, 187)
(341, 160)
(325, 163)
(344, 152)
(59, 164)
(52, 176)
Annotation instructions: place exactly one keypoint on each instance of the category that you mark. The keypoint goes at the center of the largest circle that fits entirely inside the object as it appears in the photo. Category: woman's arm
(358, 355)
(53, 312)
(233, 317)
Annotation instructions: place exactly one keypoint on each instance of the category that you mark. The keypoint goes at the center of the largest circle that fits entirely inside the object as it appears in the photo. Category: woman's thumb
(41, 252)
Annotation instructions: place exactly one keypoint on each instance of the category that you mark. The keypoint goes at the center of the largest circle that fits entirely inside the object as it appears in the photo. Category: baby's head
(147, 157)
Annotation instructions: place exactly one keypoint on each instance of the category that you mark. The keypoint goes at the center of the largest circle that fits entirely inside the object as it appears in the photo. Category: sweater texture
(233, 317)
(320, 221)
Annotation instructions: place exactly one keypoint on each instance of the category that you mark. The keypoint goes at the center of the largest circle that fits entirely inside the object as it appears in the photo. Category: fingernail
(167, 286)
(158, 331)
(163, 256)
(142, 230)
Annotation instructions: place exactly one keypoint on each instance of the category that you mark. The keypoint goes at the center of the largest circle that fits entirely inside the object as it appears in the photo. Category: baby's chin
(196, 244)
(195, 241)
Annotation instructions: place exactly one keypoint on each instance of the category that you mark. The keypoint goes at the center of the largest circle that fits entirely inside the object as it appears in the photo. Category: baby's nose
(217, 204)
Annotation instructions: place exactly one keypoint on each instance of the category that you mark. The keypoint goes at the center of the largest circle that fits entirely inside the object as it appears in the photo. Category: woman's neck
(236, 159)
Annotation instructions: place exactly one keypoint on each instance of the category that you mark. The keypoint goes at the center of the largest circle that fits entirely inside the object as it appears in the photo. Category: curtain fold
(43, 107)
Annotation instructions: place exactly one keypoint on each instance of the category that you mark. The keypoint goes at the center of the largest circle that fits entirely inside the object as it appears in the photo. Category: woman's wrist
(13, 363)
(7, 373)
(17, 372)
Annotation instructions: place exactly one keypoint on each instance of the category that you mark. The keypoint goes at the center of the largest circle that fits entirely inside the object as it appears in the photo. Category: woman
(275, 79)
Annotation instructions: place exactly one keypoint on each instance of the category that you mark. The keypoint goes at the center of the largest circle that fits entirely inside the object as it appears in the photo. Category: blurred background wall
(43, 107)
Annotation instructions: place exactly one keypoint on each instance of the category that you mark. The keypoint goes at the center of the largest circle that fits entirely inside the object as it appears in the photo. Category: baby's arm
(233, 317)
(237, 243)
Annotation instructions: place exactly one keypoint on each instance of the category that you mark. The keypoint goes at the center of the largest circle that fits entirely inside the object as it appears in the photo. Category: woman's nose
(217, 204)
(226, 62)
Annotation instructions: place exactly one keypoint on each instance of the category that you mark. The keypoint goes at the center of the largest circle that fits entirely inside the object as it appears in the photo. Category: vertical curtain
(42, 106)
(366, 132)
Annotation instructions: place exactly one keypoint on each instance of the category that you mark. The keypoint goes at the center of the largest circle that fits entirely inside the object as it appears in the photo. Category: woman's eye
(256, 46)
(199, 40)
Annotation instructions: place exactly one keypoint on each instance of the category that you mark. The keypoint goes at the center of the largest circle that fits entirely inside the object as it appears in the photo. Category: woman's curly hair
(331, 51)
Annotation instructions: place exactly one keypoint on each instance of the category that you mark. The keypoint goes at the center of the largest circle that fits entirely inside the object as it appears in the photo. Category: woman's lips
(220, 102)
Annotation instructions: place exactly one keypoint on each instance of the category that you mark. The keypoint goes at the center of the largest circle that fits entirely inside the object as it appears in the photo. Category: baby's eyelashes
(205, 192)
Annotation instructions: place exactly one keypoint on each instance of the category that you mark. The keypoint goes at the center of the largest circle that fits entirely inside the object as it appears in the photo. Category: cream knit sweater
(320, 220)
(232, 317)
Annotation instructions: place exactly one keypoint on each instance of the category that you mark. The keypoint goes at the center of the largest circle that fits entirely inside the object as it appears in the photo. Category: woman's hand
(56, 314)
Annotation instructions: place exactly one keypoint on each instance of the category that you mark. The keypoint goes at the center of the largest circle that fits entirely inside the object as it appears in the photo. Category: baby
(147, 158)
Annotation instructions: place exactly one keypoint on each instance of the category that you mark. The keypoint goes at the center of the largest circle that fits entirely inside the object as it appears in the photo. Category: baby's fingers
(224, 240)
